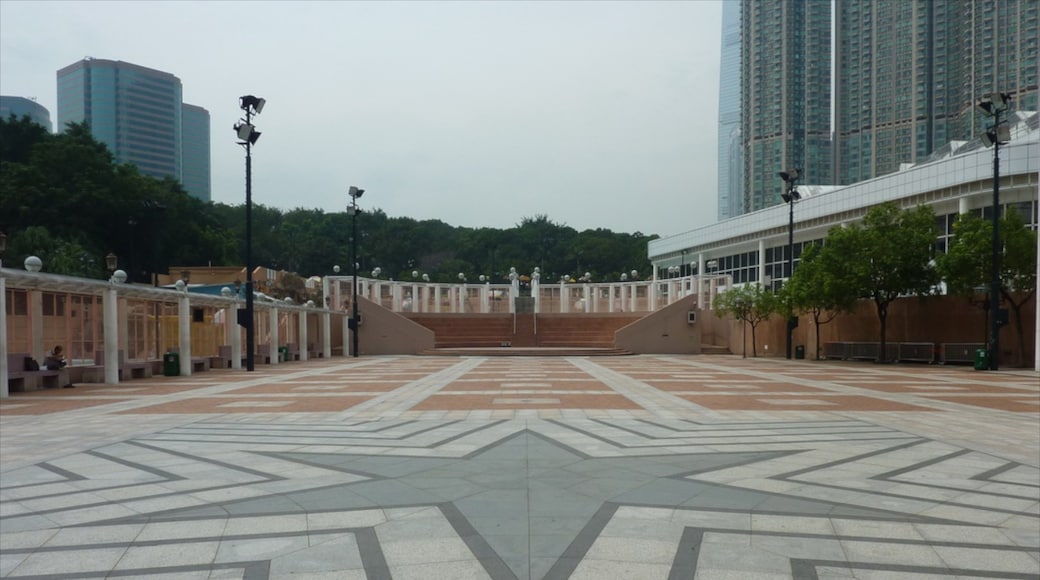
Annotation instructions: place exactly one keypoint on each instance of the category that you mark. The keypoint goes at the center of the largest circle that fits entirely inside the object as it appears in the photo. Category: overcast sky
(596, 114)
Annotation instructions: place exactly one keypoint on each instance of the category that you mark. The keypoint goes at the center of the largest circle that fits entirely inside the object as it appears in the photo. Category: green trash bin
(283, 354)
(799, 351)
(981, 359)
(171, 364)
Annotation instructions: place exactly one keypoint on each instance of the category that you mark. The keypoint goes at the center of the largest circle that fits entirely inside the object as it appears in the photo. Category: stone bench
(21, 380)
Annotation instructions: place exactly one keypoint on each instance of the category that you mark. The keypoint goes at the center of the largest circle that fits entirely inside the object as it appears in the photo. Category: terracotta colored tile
(34, 406)
(312, 404)
(441, 402)
(799, 403)
(1026, 404)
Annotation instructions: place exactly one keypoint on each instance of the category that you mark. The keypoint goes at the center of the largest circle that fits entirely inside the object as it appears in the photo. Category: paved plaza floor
(636, 467)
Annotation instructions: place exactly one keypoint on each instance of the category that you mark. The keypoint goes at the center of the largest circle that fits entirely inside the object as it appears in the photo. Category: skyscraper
(910, 73)
(729, 158)
(138, 113)
(785, 95)
(195, 154)
(21, 106)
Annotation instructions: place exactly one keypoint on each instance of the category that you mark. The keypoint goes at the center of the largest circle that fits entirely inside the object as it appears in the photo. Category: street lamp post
(995, 135)
(790, 196)
(355, 193)
(247, 135)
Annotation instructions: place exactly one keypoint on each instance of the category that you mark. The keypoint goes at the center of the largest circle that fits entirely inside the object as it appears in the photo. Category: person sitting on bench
(55, 361)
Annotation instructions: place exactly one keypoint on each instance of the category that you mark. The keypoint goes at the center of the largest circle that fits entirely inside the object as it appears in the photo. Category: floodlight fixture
(251, 104)
(355, 192)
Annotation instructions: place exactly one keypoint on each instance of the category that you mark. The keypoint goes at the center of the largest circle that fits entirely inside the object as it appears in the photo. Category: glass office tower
(21, 106)
(910, 73)
(134, 110)
(785, 96)
(195, 154)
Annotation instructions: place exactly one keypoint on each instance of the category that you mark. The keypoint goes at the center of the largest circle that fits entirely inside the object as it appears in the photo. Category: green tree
(751, 304)
(968, 262)
(814, 290)
(885, 256)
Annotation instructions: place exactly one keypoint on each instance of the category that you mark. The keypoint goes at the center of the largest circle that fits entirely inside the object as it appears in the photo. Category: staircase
(525, 335)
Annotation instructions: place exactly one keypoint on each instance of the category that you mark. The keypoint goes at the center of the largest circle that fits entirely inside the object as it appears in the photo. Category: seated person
(55, 359)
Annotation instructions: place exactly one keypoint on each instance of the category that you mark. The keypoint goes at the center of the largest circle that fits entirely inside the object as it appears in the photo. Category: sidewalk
(634, 467)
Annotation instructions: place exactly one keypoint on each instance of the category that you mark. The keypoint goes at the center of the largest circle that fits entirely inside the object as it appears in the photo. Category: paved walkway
(636, 467)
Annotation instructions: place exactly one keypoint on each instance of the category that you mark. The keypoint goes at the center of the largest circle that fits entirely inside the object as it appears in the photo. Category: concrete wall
(385, 332)
(666, 331)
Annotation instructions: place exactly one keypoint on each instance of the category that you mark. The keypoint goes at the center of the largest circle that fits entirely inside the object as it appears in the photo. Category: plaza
(647, 466)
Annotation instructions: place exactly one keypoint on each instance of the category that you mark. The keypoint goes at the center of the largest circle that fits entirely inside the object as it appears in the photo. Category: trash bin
(799, 351)
(981, 359)
(283, 353)
(171, 364)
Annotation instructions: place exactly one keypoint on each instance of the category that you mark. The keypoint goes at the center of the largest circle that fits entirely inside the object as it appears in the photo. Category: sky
(596, 114)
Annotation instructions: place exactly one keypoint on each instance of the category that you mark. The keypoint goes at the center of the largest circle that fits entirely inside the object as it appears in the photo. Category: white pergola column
(514, 292)
(346, 334)
(326, 334)
(536, 291)
(632, 295)
(437, 299)
(273, 344)
(36, 323)
(586, 300)
(234, 336)
(700, 278)
(565, 298)
(4, 390)
(762, 262)
(610, 297)
(302, 340)
(395, 297)
(183, 334)
(962, 205)
(123, 311)
(651, 292)
(460, 293)
(110, 312)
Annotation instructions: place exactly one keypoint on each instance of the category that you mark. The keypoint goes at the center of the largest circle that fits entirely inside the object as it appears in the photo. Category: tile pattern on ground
(272, 474)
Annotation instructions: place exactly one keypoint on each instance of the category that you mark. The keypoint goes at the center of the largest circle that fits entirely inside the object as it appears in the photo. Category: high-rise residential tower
(21, 106)
(910, 74)
(785, 96)
(730, 200)
(138, 113)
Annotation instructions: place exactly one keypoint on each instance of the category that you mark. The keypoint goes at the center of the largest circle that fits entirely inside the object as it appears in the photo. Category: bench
(127, 368)
(21, 380)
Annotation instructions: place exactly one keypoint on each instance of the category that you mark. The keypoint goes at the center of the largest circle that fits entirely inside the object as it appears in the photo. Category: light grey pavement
(637, 467)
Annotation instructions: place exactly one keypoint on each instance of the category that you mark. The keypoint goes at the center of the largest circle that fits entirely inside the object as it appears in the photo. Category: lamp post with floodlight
(995, 135)
(790, 196)
(247, 135)
(352, 209)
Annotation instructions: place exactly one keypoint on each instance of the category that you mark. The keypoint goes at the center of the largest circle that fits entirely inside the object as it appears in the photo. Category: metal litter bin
(171, 364)
(981, 359)
(283, 354)
(799, 351)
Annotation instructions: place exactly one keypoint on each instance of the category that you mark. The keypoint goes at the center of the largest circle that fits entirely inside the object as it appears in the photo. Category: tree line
(891, 254)
(64, 198)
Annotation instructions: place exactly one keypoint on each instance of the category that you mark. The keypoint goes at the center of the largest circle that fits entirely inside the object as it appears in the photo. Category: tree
(751, 304)
(885, 256)
(968, 262)
(816, 291)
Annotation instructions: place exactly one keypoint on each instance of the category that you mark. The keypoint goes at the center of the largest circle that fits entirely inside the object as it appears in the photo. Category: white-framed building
(957, 179)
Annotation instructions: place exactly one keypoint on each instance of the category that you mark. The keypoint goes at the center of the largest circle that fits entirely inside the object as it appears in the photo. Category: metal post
(790, 262)
(250, 337)
(353, 260)
(994, 292)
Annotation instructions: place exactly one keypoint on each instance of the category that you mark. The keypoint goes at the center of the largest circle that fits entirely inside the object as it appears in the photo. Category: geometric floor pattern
(635, 467)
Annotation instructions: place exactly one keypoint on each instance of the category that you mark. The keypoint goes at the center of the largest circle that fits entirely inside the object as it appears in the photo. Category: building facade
(730, 200)
(754, 247)
(910, 73)
(195, 151)
(785, 96)
(138, 113)
(21, 106)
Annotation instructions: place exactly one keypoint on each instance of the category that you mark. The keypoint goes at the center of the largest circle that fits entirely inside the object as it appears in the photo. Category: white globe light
(119, 276)
(33, 264)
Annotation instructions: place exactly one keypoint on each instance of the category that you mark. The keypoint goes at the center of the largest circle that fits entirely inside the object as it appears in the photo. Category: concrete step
(526, 351)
